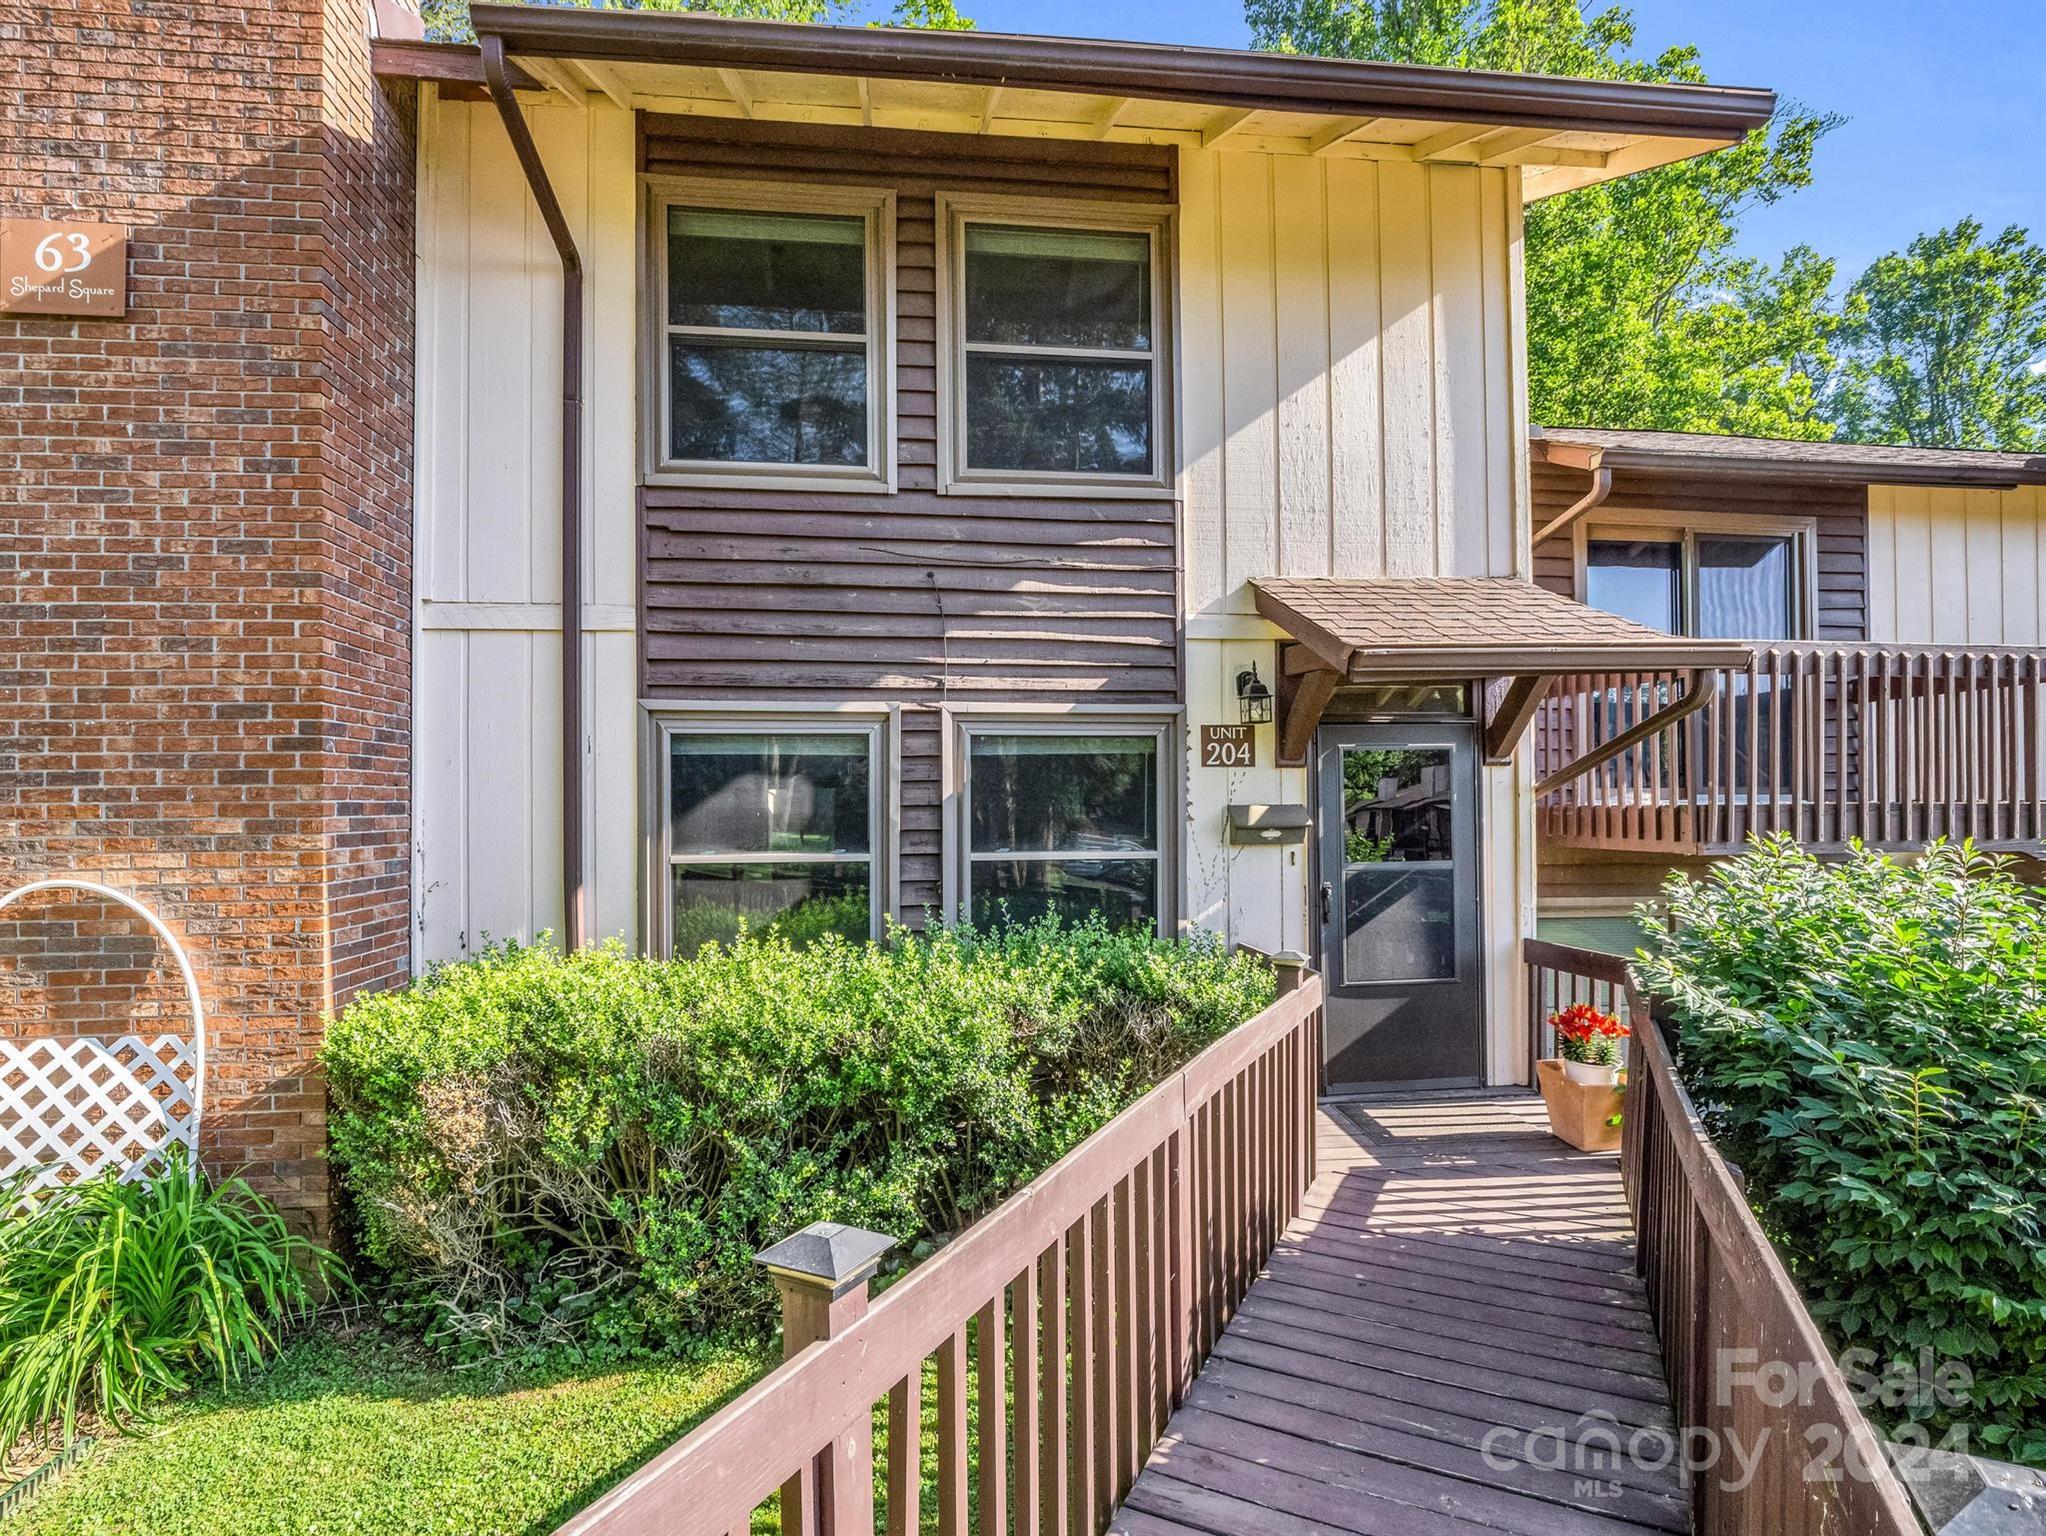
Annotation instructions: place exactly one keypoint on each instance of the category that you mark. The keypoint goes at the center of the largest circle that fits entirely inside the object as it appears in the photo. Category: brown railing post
(823, 1274)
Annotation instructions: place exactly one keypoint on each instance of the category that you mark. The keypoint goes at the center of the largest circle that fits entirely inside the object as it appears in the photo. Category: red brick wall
(205, 521)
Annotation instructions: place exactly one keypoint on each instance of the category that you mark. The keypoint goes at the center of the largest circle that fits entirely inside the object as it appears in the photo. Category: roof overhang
(1771, 459)
(1457, 629)
(1561, 133)
(1442, 628)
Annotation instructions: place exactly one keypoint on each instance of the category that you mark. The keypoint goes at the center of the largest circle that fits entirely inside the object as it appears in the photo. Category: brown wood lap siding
(914, 598)
(1841, 512)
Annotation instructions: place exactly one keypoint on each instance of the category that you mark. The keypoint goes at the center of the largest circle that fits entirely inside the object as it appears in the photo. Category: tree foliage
(1945, 344)
(448, 20)
(1639, 313)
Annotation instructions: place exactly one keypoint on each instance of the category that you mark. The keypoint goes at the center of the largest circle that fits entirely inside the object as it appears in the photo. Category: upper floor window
(772, 356)
(1055, 349)
(1734, 585)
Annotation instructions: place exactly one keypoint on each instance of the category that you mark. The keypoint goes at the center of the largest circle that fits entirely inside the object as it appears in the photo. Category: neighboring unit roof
(1561, 132)
(1873, 463)
(1411, 627)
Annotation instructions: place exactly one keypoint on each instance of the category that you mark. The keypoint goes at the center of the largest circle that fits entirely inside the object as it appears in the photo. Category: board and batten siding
(1352, 403)
(1838, 514)
(486, 733)
(1352, 378)
(1957, 566)
(916, 598)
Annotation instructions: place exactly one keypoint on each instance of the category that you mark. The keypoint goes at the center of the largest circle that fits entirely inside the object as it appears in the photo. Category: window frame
(876, 207)
(1157, 224)
(1683, 529)
(881, 725)
(1165, 724)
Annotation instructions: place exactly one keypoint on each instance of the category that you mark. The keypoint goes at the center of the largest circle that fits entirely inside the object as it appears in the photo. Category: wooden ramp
(1450, 1340)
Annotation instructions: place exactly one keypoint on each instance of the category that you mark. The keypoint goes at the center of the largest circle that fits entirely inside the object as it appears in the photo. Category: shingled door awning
(1415, 629)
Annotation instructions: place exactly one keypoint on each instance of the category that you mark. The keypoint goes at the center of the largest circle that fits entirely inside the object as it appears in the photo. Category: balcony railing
(1893, 744)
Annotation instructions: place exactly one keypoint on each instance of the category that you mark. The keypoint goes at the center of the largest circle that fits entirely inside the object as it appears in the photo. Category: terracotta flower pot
(1582, 1114)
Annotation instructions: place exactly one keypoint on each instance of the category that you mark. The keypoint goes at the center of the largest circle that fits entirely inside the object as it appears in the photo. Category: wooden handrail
(1745, 1363)
(1891, 744)
(1127, 1256)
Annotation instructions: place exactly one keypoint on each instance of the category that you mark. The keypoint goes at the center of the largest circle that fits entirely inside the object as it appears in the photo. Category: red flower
(1583, 1022)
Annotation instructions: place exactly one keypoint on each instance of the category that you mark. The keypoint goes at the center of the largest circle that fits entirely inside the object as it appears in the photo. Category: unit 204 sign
(63, 267)
(1228, 746)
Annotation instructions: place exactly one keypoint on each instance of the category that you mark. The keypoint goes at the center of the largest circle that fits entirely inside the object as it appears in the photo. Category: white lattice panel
(70, 1107)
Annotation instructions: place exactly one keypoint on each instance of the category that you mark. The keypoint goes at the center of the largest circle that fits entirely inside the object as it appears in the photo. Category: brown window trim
(877, 206)
(1680, 526)
(1154, 220)
(664, 719)
(964, 721)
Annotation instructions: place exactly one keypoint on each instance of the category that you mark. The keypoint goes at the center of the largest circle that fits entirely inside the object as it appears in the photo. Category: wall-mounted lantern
(1253, 698)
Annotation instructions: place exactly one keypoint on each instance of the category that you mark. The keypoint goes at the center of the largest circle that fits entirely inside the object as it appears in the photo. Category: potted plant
(1580, 1088)
(1589, 1043)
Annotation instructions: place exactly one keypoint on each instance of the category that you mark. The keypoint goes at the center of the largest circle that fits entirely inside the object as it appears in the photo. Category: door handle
(1327, 897)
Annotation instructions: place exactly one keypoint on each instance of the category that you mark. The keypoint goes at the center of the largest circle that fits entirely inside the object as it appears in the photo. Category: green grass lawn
(368, 1436)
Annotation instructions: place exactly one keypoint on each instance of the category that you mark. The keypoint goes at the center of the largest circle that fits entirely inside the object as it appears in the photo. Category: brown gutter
(1704, 684)
(1223, 77)
(574, 892)
(2000, 473)
(1601, 487)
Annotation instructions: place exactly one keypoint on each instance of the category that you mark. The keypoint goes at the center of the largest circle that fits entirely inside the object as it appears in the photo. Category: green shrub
(588, 1151)
(114, 1296)
(1868, 1040)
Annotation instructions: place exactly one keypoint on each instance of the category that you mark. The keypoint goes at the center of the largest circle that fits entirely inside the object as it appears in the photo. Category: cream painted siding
(1954, 566)
(1350, 371)
(487, 790)
(1352, 403)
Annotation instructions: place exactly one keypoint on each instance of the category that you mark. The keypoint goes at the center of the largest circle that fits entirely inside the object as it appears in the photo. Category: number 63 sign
(63, 267)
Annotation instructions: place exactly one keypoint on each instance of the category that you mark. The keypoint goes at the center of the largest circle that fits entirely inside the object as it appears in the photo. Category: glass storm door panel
(1397, 848)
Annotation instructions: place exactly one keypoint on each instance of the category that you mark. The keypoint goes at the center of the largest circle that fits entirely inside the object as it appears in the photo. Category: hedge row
(590, 1149)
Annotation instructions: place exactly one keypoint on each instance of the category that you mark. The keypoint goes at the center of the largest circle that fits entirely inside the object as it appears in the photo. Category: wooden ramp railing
(1893, 744)
(1751, 1380)
(1066, 1326)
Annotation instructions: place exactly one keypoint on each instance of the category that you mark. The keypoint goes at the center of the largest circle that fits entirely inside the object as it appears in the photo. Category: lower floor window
(1062, 824)
(771, 830)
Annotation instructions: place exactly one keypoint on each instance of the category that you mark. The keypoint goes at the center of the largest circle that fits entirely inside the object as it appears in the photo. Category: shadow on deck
(1451, 1339)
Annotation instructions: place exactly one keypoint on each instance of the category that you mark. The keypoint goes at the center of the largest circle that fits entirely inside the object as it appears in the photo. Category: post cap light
(1253, 698)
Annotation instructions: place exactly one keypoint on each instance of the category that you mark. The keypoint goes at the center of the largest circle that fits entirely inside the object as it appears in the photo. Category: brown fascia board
(1994, 477)
(1222, 77)
(459, 64)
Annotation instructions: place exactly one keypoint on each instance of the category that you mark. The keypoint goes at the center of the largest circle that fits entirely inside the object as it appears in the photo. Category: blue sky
(1946, 99)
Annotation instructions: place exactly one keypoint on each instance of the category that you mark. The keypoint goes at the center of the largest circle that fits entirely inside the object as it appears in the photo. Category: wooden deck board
(1456, 1302)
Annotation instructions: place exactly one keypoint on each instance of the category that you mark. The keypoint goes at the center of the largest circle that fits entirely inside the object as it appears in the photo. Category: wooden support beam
(1514, 715)
(558, 80)
(1703, 685)
(1340, 131)
(736, 89)
(1302, 698)
(989, 105)
(866, 91)
(1298, 660)
(605, 79)
(1223, 124)
(1437, 145)
(1502, 147)
(1109, 116)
